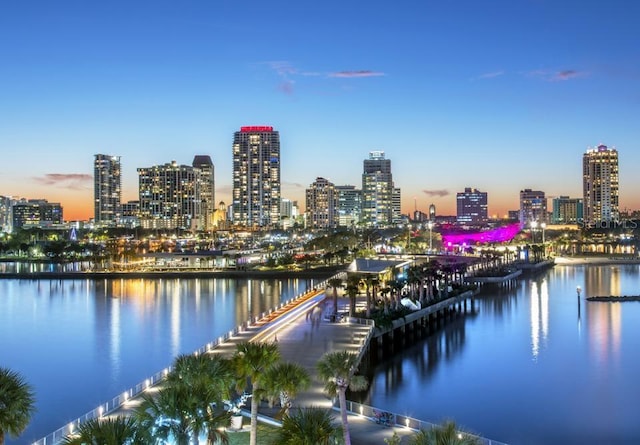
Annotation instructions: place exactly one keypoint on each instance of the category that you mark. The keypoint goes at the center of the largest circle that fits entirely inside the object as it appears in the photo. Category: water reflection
(539, 304)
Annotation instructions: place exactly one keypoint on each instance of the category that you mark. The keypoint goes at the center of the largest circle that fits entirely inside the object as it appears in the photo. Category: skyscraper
(533, 207)
(206, 203)
(169, 196)
(377, 191)
(349, 205)
(472, 206)
(600, 185)
(107, 189)
(322, 205)
(256, 177)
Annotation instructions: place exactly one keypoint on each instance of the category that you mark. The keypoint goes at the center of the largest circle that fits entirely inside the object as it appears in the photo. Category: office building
(107, 189)
(256, 177)
(471, 207)
(378, 191)
(600, 183)
(6, 213)
(169, 196)
(566, 210)
(349, 205)
(206, 184)
(321, 205)
(533, 207)
(36, 213)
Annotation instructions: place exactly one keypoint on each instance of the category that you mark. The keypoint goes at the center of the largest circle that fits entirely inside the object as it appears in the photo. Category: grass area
(266, 434)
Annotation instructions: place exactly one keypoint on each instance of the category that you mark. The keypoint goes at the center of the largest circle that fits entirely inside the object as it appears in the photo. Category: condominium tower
(207, 198)
(533, 207)
(378, 194)
(600, 185)
(107, 189)
(322, 205)
(256, 177)
(471, 206)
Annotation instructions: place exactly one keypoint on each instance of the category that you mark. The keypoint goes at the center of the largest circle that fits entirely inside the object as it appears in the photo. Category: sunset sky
(498, 95)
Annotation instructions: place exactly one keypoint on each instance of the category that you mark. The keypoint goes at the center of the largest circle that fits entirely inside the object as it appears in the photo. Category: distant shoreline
(324, 272)
(579, 260)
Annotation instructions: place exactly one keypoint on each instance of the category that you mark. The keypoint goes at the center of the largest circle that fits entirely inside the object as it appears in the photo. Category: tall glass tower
(600, 185)
(377, 191)
(107, 189)
(256, 177)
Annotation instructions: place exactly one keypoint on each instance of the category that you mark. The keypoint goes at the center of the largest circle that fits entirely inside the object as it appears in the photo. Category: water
(81, 342)
(531, 366)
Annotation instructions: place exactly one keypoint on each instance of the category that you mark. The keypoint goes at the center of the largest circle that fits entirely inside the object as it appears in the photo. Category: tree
(443, 434)
(335, 283)
(352, 289)
(284, 381)
(17, 404)
(252, 360)
(336, 370)
(308, 426)
(109, 431)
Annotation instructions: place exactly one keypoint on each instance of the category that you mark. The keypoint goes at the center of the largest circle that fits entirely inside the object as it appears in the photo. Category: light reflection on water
(532, 366)
(82, 342)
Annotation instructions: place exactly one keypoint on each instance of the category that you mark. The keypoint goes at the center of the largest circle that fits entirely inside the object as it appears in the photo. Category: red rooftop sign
(255, 129)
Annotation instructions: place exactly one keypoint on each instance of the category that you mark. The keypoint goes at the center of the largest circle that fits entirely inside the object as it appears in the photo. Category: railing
(399, 420)
(106, 408)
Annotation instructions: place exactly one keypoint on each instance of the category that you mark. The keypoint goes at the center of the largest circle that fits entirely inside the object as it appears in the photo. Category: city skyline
(457, 96)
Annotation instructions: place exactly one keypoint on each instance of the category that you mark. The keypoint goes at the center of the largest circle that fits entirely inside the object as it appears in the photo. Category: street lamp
(534, 224)
(430, 226)
(578, 290)
(543, 225)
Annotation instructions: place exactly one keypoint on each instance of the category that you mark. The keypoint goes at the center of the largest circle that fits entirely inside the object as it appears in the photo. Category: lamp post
(543, 225)
(534, 224)
(578, 290)
(430, 225)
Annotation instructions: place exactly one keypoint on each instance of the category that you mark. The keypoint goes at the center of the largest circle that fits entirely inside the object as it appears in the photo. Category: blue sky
(496, 95)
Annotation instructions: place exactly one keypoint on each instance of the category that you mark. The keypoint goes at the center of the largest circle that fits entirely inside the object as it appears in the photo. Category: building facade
(107, 189)
(169, 196)
(321, 205)
(349, 205)
(600, 183)
(377, 191)
(533, 207)
(256, 177)
(36, 213)
(206, 184)
(566, 210)
(471, 207)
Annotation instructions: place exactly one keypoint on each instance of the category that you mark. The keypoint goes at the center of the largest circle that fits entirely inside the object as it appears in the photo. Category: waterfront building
(600, 184)
(6, 213)
(130, 214)
(206, 185)
(220, 218)
(377, 191)
(107, 189)
(321, 204)
(169, 196)
(566, 210)
(349, 205)
(36, 213)
(533, 207)
(256, 177)
(471, 207)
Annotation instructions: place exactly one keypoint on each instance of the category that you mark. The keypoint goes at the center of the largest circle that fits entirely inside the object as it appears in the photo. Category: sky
(496, 95)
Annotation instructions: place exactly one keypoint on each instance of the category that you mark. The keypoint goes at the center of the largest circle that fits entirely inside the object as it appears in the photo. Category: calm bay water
(531, 366)
(80, 343)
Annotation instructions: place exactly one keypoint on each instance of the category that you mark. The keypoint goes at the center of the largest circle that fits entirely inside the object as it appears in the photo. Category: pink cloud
(72, 181)
(439, 193)
(359, 73)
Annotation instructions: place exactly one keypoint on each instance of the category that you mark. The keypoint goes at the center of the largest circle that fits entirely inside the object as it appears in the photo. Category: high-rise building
(256, 177)
(565, 210)
(472, 206)
(107, 189)
(36, 213)
(169, 196)
(600, 185)
(206, 180)
(377, 191)
(432, 212)
(533, 207)
(349, 205)
(321, 205)
(6, 213)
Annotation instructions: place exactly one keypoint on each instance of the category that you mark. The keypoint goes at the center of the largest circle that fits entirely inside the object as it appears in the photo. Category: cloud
(491, 75)
(438, 193)
(71, 181)
(359, 73)
(555, 76)
(292, 184)
(286, 87)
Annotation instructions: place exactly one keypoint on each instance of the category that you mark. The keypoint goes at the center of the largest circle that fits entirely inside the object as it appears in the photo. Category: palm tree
(109, 431)
(335, 283)
(283, 381)
(336, 370)
(443, 434)
(352, 289)
(308, 426)
(17, 404)
(252, 360)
